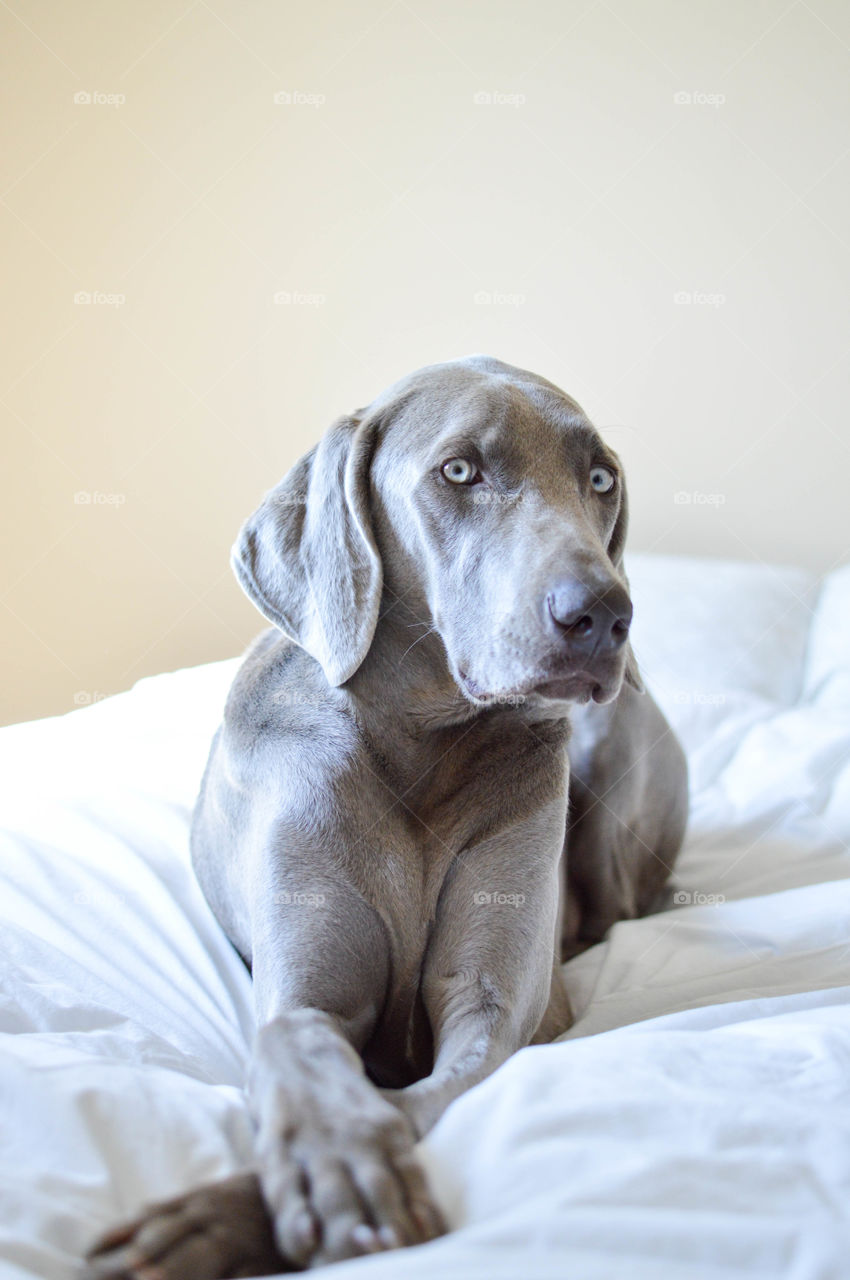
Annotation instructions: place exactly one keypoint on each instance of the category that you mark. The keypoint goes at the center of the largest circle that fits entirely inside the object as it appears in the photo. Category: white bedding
(694, 1123)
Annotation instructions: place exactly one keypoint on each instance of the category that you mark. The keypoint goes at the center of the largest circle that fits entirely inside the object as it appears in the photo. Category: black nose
(593, 621)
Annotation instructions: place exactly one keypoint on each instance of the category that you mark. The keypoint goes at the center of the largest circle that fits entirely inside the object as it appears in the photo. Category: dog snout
(592, 620)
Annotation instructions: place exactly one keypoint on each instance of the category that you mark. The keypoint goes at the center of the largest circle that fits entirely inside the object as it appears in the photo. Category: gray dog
(438, 775)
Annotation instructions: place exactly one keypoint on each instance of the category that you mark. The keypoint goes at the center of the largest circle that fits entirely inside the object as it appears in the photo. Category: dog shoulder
(280, 704)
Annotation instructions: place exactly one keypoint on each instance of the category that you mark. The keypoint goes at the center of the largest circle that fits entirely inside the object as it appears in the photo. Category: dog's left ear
(616, 547)
(307, 556)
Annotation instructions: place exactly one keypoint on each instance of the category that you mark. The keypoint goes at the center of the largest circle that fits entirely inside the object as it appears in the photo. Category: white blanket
(694, 1123)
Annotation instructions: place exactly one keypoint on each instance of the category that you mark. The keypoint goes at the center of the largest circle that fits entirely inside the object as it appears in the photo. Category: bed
(695, 1122)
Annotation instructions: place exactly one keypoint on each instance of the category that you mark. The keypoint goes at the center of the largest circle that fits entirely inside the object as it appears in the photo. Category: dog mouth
(482, 696)
(579, 687)
(575, 686)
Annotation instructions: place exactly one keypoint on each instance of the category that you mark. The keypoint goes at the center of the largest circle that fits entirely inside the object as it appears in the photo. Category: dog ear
(307, 557)
(615, 549)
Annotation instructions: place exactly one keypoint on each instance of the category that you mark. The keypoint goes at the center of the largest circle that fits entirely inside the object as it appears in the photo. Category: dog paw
(220, 1230)
(338, 1191)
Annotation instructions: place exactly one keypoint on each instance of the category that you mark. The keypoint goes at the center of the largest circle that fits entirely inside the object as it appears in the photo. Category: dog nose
(592, 621)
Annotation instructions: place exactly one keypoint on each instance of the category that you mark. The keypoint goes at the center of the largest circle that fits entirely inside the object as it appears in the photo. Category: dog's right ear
(307, 557)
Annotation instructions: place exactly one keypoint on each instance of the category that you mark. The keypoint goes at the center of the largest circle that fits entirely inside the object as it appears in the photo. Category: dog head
(483, 496)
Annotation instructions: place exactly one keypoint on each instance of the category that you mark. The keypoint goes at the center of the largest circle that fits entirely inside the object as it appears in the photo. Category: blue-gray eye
(459, 471)
(601, 479)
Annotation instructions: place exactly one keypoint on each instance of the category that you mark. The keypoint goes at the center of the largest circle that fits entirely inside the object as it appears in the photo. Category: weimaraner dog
(438, 774)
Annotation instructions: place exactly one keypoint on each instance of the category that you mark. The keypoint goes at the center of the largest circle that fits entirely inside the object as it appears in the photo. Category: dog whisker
(431, 631)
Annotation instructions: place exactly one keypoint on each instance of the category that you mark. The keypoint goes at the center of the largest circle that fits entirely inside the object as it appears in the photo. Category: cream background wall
(646, 202)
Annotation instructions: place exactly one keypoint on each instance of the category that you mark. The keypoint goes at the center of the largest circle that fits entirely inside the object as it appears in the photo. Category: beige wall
(582, 198)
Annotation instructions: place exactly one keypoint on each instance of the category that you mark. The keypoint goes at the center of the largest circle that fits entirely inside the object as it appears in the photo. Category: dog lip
(578, 686)
(485, 697)
(470, 687)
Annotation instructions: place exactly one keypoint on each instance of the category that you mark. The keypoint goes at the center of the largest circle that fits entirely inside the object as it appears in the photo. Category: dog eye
(601, 479)
(459, 471)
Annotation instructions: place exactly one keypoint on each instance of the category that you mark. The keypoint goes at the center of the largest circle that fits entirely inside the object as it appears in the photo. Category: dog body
(400, 832)
(388, 821)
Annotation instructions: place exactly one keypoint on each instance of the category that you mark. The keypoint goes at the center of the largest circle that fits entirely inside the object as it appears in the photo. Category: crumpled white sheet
(695, 1123)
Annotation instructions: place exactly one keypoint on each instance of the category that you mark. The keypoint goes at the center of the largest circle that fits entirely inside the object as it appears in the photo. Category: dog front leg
(488, 982)
(335, 1173)
(335, 1161)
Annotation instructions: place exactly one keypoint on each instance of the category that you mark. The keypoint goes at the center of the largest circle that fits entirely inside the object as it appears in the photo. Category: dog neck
(407, 656)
